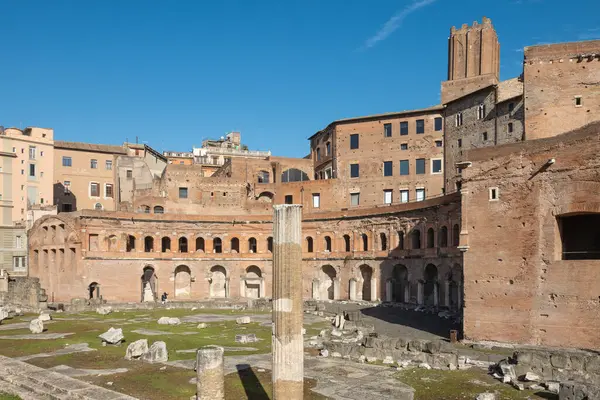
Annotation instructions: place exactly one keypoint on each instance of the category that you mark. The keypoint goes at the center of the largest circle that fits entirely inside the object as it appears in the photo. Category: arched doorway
(253, 282)
(401, 289)
(94, 290)
(430, 291)
(149, 285)
(328, 276)
(183, 282)
(366, 273)
(218, 281)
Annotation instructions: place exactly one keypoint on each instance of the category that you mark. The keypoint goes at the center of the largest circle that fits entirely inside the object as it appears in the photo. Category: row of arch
(415, 241)
(183, 244)
(156, 209)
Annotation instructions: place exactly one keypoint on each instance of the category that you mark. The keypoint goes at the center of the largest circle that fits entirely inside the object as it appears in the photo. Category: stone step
(24, 394)
(35, 388)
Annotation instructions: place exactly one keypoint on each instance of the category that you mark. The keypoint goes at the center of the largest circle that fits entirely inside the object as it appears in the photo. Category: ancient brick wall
(199, 257)
(518, 287)
(555, 76)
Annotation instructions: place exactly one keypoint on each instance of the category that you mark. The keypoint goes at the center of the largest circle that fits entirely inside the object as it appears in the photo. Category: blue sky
(175, 72)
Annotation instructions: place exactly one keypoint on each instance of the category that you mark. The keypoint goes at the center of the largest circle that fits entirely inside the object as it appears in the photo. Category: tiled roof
(97, 148)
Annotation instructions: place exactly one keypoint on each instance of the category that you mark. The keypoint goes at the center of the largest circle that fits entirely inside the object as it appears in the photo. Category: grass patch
(459, 385)
(5, 396)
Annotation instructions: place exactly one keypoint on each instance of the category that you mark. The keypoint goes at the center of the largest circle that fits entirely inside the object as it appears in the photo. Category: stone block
(560, 360)
(112, 336)
(243, 320)
(246, 338)
(486, 396)
(570, 390)
(136, 349)
(36, 326)
(45, 317)
(353, 315)
(592, 365)
(156, 353)
(578, 361)
(401, 344)
(417, 345)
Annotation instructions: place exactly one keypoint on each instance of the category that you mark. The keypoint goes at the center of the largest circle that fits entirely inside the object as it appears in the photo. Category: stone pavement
(338, 379)
(31, 382)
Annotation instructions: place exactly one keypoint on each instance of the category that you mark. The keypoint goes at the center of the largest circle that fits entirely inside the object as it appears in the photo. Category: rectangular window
(420, 194)
(354, 199)
(510, 127)
(387, 196)
(289, 199)
(19, 263)
(108, 190)
(387, 168)
(19, 242)
(578, 101)
(354, 141)
(94, 189)
(459, 142)
(404, 167)
(481, 111)
(403, 128)
(458, 119)
(354, 171)
(484, 136)
(493, 194)
(66, 161)
(32, 170)
(183, 193)
(438, 143)
(67, 187)
(387, 130)
(108, 164)
(32, 152)
(129, 174)
(404, 196)
(437, 124)
(404, 146)
(316, 200)
(436, 166)
(420, 166)
(420, 126)
(67, 207)
(318, 154)
(328, 149)
(93, 163)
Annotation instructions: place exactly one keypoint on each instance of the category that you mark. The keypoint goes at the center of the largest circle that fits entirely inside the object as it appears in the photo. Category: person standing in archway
(163, 298)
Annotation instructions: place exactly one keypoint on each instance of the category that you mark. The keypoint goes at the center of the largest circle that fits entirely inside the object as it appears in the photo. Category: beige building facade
(13, 237)
(85, 176)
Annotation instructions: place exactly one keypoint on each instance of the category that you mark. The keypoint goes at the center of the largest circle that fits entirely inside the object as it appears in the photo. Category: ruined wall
(186, 261)
(518, 288)
(554, 76)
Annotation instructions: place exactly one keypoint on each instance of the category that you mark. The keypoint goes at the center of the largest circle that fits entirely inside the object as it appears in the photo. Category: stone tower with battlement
(473, 59)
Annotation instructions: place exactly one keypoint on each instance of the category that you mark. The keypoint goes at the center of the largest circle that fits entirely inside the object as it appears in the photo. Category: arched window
(130, 243)
(270, 244)
(383, 241)
(318, 154)
(159, 210)
(443, 236)
(455, 235)
(148, 244)
(217, 245)
(400, 240)
(430, 239)
(347, 243)
(365, 240)
(416, 239)
(263, 177)
(98, 207)
(252, 246)
(183, 244)
(235, 245)
(309, 244)
(328, 149)
(145, 209)
(166, 244)
(200, 244)
(327, 243)
(293, 175)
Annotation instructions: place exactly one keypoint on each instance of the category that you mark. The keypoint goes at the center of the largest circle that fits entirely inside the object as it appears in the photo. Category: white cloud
(395, 22)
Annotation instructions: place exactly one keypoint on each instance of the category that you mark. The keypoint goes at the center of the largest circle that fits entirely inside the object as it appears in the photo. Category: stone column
(209, 373)
(420, 293)
(352, 288)
(374, 296)
(316, 287)
(406, 292)
(336, 289)
(447, 293)
(287, 341)
(435, 294)
(388, 290)
(459, 291)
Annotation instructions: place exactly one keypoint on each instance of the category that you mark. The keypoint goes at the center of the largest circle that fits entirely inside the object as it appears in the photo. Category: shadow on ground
(252, 386)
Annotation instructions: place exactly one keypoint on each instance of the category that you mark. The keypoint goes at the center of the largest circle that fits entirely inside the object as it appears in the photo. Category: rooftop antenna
(136, 140)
